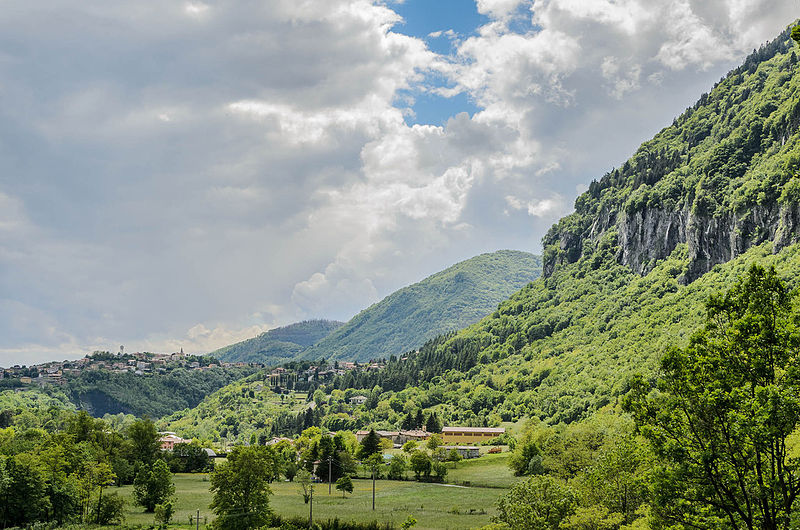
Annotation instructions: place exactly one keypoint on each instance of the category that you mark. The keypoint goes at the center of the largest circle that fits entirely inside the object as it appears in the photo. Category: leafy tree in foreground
(144, 437)
(153, 486)
(539, 503)
(723, 410)
(241, 488)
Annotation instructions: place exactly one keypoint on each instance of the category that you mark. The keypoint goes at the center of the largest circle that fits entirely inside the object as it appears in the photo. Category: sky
(187, 174)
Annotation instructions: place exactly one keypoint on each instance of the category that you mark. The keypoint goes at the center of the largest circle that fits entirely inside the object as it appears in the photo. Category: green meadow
(435, 506)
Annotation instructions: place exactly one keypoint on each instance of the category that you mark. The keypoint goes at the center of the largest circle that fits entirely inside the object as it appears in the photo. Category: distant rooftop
(493, 430)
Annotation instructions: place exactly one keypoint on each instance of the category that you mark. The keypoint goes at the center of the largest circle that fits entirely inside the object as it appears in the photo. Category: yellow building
(470, 435)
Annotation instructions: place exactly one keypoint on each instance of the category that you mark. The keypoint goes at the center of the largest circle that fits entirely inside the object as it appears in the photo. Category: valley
(642, 374)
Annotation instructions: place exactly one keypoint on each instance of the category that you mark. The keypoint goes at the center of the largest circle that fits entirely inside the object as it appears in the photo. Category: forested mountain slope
(278, 345)
(448, 300)
(102, 392)
(558, 350)
(627, 275)
(721, 178)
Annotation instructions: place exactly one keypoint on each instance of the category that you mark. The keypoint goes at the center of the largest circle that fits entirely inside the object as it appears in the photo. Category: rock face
(651, 234)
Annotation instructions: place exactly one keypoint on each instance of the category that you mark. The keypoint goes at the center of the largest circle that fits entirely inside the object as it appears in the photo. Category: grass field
(489, 471)
(435, 506)
(191, 494)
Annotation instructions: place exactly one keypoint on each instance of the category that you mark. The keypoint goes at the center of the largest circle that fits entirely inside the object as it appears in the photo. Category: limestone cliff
(721, 179)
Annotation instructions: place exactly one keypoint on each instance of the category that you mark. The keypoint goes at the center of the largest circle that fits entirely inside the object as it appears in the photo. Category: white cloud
(550, 207)
(188, 173)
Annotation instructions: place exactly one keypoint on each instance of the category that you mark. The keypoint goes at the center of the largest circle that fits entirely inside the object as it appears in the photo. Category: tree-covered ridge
(448, 300)
(278, 345)
(720, 178)
(104, 392)
(558, 350)
(563, 346)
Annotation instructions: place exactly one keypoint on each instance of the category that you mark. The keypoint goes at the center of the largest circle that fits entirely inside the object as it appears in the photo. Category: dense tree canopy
(723, 411)
(241, 488)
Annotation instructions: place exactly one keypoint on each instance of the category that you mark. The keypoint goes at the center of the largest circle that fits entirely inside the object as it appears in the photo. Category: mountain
(721, 179)
(451, 299)
(626, 276)
(278, 345)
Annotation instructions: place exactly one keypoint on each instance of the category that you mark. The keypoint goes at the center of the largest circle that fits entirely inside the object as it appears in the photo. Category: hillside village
(139, 363)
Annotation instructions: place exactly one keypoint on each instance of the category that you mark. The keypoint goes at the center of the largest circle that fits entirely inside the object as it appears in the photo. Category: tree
(370, 445)
(454, 456)
(796, 34)
(22, 486)
(375, 465)
(527, 457)
(397, 467)
(409, 446)
(539, 503)
(419, 420)
(110, 509)
(420, 464)
(189, 458)
(240, 488)
(433, 442)
(618, 480)
(439, 469)
(433, 424)
(164, 513)
(722, 411)
(143, 437)
(153, 486)
(304, 481)
(345, 485)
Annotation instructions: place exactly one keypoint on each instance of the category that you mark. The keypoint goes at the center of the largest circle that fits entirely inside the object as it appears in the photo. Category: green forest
(446, 301)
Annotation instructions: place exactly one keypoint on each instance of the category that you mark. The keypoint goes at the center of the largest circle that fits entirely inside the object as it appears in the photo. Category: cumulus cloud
(187, 174)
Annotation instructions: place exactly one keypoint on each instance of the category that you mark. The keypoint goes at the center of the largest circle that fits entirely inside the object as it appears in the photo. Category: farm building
(470, 435)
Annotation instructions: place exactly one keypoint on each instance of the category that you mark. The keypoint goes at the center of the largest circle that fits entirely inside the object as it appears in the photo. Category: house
(470, 435)
(358, 400)
(25, 380)
(466, 451)
(210, 452)
(169, 440)
(389, 435)
(414, 435)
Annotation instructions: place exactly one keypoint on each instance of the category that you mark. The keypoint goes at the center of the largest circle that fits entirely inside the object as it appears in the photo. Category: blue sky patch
(421, 18)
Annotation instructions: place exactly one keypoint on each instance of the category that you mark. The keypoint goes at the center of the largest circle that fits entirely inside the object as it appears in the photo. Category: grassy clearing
(191, 494)
(435, 506)
(488, 471)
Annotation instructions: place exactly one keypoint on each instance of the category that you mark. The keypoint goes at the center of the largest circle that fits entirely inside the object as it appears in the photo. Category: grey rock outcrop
(648, 235)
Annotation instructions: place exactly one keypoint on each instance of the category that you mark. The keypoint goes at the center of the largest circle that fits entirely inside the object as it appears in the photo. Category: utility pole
(311, 506)
(373, 490)
(198, 520)
(329, 475)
